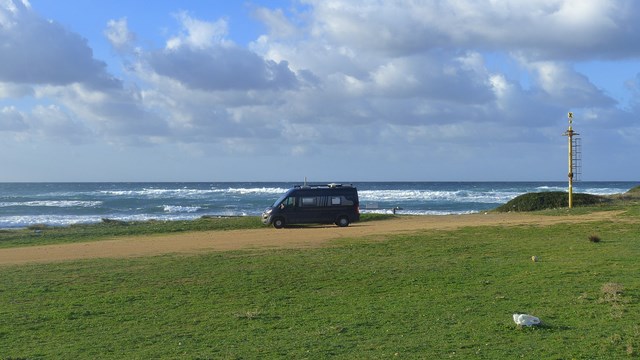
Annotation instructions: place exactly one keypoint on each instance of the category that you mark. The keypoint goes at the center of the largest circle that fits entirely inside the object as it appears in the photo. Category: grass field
(429, 295)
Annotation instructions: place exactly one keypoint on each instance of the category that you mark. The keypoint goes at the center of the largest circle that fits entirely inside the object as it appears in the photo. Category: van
(314, 204)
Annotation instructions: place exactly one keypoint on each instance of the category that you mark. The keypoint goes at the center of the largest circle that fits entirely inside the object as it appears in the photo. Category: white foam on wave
(577, 188)
(51, 220)
(550, 188)
(437, 195)
(256, 190)
(53, 203)
(16, 222)
(156, 193)
(600, 191)
(172, 209)
(191, 193)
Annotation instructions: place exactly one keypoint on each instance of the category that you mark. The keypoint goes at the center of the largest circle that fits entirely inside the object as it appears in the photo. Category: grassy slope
(439, 294)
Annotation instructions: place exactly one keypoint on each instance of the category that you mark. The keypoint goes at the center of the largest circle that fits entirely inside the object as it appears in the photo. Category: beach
(269, 238)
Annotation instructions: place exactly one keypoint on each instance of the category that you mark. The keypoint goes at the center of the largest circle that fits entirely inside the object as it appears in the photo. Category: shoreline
(65, 204)
(198, 242)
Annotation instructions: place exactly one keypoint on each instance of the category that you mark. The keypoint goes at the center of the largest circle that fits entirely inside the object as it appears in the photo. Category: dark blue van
(315, 204)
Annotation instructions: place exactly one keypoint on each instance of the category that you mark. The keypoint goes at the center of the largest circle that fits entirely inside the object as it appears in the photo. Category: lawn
(429, 295)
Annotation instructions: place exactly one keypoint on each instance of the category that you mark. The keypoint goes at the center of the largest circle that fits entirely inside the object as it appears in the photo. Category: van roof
(323, 186)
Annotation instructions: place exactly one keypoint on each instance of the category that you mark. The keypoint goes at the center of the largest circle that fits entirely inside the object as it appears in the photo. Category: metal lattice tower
(573, 166)
(577, 158)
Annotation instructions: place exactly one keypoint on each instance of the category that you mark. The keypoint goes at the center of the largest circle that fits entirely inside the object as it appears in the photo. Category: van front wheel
(278, 223)
(343, 221)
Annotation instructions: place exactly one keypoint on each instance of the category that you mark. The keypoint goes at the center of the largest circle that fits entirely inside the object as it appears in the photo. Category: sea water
(60, 204)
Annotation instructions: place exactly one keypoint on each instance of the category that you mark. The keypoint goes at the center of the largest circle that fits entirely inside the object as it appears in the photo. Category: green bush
(549, 200)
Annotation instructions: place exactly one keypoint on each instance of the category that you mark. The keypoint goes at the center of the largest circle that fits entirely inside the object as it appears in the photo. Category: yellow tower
(569, 134)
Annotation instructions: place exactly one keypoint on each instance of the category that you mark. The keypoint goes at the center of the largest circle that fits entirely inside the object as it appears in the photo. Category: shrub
(548, 200)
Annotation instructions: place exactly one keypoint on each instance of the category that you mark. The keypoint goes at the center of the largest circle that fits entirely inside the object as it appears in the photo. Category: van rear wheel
(278, 223)
(343, 221)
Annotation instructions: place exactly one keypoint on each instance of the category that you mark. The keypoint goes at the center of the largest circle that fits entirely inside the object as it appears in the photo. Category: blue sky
(329, 90)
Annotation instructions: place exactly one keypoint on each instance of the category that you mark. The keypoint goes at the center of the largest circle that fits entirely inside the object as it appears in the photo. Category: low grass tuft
(612, 292)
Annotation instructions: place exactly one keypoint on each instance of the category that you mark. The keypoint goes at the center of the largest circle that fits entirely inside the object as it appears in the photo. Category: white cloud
(277, 22)
(198, 34)
(563, 85)
(117, 115)
(201, 58)
(558, 29)
(10, 90)
(11, 119)
(37, 51)
(119, 35)
(53, 123)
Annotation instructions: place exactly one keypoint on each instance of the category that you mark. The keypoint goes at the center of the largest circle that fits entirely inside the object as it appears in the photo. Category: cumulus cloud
(221, 68)
(562, 85)
(201, 58)
(118, 115)
(62, 58)
(551, 29)
(53, 123)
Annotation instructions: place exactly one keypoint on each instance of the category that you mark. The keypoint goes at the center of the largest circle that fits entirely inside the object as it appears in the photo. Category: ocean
(61, 204)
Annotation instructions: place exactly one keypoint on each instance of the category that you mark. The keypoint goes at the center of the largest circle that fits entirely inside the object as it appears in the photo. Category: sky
(330, 90)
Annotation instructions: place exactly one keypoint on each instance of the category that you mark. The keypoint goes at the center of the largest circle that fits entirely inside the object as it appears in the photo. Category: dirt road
(300, 237)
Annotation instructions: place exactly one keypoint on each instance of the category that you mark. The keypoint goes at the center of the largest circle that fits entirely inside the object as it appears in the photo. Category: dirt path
(301, 237)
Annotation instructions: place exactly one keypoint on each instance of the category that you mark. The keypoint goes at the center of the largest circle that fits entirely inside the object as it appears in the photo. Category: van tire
(343, 221)
(278, 223)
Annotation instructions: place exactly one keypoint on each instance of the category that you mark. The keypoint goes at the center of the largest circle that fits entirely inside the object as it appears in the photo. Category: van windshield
(280, 199)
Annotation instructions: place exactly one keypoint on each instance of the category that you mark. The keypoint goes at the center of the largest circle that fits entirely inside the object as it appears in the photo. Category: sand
(268, 237)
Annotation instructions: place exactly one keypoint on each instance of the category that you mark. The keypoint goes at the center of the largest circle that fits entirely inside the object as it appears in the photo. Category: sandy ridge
(194, 242)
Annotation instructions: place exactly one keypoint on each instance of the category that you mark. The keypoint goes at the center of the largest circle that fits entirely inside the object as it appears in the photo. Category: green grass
(430, 295)
(41, 234)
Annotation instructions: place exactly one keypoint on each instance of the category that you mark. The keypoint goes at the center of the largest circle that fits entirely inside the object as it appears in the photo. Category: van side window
(289, 202)
(335, 200)
(308, 201)
(346, 201)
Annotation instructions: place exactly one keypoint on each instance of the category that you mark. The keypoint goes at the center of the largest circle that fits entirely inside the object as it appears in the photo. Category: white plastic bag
(526, 320)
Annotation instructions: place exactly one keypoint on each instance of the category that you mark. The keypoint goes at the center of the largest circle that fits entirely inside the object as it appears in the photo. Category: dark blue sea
(60, 204)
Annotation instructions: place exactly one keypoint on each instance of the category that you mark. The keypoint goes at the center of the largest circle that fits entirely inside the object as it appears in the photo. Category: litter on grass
(526, 320)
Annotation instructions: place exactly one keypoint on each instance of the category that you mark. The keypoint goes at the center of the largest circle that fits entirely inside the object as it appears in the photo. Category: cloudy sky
(456, 90)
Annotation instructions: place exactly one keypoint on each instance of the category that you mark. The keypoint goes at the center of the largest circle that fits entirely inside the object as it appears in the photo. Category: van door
(289, 211)
(308, 210)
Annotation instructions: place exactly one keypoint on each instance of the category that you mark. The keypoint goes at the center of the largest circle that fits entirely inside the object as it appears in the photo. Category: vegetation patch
(549, 200)
(109, 228)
